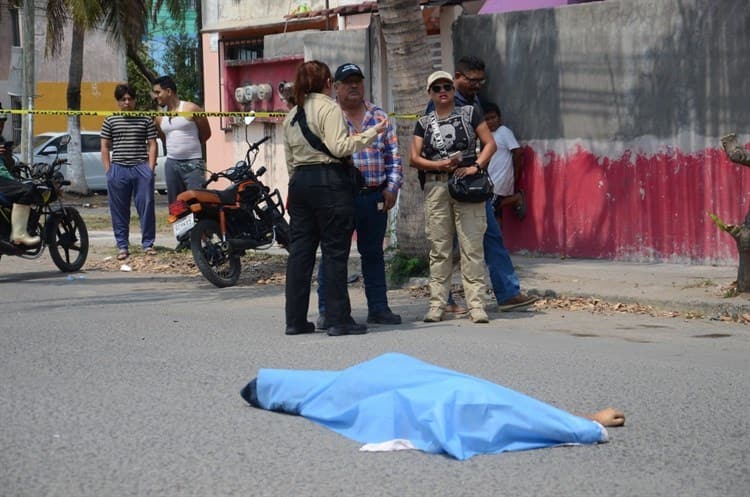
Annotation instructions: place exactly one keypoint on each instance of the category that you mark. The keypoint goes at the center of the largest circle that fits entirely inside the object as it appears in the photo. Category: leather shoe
(348, 328)
(385, 316)
(298, 330)
(322, 323)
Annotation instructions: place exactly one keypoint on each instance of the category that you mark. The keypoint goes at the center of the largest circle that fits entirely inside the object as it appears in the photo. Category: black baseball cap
(346, 70)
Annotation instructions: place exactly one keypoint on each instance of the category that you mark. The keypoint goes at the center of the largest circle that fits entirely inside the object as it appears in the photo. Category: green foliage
(402, 267)
(181, 62)
(142, 85)
(732, 229)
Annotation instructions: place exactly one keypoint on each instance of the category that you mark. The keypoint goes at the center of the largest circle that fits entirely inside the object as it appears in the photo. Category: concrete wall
(620, 106)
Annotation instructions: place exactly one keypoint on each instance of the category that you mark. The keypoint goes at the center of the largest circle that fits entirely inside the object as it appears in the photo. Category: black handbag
(471, 188)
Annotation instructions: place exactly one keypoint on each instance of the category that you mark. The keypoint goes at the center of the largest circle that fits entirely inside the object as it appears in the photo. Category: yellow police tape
(105, 113)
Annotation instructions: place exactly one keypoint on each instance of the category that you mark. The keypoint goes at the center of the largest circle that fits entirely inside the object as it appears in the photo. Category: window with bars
(243, 50)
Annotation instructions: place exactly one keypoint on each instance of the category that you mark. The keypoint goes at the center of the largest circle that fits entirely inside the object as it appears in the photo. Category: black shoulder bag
(472, 188)
(300, 118)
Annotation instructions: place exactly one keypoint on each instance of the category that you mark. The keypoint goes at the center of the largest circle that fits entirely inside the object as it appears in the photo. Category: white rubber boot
(19, 220)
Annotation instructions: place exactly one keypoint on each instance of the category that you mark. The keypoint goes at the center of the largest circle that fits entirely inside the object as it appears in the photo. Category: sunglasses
(474, 81)
(438, 87)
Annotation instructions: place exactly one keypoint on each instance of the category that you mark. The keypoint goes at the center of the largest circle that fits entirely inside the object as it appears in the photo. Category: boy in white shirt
(505, 166)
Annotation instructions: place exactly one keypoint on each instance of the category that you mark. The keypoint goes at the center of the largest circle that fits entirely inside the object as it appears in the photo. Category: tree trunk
(742, 237)
(409, 65)
(741, 234)
(76, 174)
(142, 67)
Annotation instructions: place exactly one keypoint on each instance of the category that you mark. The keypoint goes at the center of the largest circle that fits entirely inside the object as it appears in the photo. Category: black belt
(371, 189)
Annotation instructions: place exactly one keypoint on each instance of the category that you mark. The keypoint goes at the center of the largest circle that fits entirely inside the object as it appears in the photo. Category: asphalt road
(122, 384)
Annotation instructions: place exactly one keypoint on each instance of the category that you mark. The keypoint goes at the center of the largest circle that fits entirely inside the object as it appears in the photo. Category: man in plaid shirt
(380, 165)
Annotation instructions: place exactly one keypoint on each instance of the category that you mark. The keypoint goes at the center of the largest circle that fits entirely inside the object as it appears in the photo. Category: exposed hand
(381, 126)
(609, 417)
(465, 171)
(446, 166)
(389, 199)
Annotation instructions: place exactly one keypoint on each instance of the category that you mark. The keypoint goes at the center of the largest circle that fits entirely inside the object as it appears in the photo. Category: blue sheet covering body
(395, 396)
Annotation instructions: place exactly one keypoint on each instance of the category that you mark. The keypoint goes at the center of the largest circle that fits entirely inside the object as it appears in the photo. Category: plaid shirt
(380, 161)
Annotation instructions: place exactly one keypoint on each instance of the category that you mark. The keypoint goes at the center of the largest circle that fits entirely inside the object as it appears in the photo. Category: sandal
(122, 255)
(150, 251)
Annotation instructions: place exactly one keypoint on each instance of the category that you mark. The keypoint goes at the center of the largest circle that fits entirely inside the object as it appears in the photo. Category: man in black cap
(380, 165)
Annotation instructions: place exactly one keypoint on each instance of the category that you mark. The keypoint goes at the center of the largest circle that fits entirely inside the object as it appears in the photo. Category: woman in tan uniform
(321, 199)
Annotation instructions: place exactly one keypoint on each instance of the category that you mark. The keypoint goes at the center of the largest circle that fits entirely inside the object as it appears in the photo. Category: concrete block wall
(620, 106)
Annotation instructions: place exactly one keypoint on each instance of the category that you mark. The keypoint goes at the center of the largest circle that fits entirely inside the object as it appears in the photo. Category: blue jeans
(504, 279)
(370, 225)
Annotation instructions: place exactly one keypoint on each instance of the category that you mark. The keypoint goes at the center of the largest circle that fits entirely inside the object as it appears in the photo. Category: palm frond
(125, 20)
(57, 19)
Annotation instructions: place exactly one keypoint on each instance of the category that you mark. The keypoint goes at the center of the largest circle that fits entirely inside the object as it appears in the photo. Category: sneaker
(322, 323)
(386, 316)
(478, 315)
(518, 302)
(434, 315)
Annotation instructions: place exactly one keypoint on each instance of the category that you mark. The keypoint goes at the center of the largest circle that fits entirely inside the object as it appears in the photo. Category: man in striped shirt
(380, 165)
(130, 171)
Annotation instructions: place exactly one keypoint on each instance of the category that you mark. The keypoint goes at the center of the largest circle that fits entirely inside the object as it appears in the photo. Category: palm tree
(409, 65)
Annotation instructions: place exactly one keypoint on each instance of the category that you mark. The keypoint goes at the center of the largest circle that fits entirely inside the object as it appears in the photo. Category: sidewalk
(670, 287)
(677, 287)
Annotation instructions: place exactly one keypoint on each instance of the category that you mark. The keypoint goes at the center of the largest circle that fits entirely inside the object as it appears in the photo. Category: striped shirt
(129, 136)
(380, 161)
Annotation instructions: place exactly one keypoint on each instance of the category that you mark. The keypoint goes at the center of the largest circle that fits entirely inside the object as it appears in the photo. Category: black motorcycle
(223, 224)
(60, 227)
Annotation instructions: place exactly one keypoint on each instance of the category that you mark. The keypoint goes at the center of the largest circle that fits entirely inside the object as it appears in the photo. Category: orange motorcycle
(222, 224)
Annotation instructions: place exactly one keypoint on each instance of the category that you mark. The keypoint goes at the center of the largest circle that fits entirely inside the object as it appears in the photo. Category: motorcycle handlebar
(255, 145)
(211, 179)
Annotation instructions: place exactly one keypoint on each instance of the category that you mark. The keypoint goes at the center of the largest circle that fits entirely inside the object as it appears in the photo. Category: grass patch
(401, 267)
(103, 222)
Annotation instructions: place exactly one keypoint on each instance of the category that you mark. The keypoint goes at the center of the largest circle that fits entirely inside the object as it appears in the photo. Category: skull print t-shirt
(458, 131)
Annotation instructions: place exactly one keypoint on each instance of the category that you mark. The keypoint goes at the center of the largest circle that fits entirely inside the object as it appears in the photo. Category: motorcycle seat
(225, 197)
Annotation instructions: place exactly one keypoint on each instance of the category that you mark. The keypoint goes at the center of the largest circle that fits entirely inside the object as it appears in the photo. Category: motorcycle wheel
(67, 239)
(218, 265)
(282, 233)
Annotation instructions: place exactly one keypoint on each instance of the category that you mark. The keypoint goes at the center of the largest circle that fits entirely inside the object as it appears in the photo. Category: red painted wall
(638, 206)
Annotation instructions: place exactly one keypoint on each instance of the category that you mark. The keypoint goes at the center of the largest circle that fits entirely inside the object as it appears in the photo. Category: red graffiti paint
(636, 207)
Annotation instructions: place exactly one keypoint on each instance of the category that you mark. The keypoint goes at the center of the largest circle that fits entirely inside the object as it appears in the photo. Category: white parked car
(46, 145)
